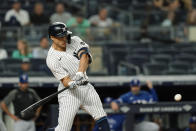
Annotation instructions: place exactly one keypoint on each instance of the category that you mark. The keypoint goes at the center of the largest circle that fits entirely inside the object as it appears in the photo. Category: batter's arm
(84, 62)
(67, 82)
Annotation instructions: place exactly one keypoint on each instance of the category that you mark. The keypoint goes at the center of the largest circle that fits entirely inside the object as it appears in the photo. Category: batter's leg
(68, 107)
(92, 104)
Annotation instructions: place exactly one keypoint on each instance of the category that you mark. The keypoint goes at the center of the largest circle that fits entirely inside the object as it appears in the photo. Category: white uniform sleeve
(57, 70)
(8, 15)
(78, 43)
(25, 17)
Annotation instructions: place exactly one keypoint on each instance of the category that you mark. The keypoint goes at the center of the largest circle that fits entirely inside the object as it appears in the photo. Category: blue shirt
(187, 129)
(142, 98)
(115, 122)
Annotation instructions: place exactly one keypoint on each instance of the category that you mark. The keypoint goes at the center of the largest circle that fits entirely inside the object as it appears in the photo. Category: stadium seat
(142, 51)
(161, 58)
(127, 68)
(190, 51)
(113, 57)
(155, 69)
(2, 66)
(12, 65)
(134, 46)
(168, 51)
(137, 60)
(180, 66)
(176, 72)
(186, 58)
(38, 64)
(182, 46)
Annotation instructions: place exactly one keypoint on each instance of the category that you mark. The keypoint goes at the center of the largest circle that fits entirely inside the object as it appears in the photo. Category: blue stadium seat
(155, 69)
(12, 65)
(180, 66)
(137, 60)
(39, 67)
(168, 51)
(186, 58)
(142, 51)
(161, 58)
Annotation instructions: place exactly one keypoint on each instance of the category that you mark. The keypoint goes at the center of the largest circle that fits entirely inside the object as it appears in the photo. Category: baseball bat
(41, 102)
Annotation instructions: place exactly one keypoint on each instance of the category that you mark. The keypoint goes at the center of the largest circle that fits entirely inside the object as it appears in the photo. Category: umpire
(22, 98)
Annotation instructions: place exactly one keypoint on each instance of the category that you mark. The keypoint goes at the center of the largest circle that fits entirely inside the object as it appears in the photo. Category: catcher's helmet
(59, 29)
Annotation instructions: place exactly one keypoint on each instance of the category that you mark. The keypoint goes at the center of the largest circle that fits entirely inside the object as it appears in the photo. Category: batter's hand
(79, 76)
(72, 84)
(114, 106)
(82, 82)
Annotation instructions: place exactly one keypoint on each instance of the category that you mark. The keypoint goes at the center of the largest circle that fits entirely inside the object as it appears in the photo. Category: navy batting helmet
(59, 29)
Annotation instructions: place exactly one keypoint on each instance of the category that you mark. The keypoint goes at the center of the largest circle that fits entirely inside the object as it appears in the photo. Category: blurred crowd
(19, 17)
(173, 13)
(24, 96)
(176, 12)
(23, 50)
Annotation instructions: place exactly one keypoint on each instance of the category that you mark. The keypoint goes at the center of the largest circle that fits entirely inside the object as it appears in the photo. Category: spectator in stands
(166, 5)
(17, 16)
(38, 17)
(174, 5)
(25, 66)
(104, 23)
(185, 5)
(136, 96)
(192, 124)
(42, 51)
(3, 54)
(145, 37)
(161, 4)
(21, 98)
(101, 20)
(22, 51)
(169, 21)
(191, 18)
(60, 15)
(79, 24)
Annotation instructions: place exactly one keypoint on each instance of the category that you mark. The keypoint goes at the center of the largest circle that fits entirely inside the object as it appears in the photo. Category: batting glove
(79, 76)
(72, 84)
(82, 82)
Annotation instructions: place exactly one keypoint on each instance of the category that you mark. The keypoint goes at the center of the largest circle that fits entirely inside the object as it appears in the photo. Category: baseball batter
(68, 59)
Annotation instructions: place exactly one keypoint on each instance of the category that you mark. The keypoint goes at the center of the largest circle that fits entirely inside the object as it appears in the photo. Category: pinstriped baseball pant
(72, 99)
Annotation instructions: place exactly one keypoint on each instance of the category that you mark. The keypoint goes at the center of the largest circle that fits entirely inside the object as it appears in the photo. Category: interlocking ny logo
(187, 107)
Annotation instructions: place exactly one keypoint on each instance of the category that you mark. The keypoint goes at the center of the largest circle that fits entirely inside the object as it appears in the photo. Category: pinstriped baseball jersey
(66, 63)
